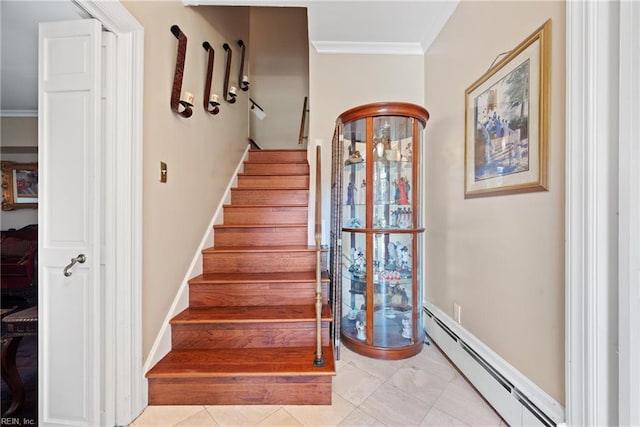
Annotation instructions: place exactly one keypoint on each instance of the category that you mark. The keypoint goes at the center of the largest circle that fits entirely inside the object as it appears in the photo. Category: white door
(70, 312)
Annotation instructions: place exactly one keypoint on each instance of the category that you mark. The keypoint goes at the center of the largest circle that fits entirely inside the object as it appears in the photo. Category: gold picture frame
(19, 185)
(506, 122)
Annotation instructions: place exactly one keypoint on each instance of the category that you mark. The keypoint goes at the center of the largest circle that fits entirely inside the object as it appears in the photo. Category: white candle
(215, 99)
(187, 97)
(232, 90)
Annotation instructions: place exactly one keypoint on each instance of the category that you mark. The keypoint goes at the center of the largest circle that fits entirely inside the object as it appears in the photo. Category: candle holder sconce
(210, 101)
(229, 93)
(242, 78)
(178, 99)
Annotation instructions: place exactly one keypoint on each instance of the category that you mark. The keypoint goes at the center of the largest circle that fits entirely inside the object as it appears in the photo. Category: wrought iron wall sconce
(179, 99)
(229, 93)
(243, 80)
(210, 101)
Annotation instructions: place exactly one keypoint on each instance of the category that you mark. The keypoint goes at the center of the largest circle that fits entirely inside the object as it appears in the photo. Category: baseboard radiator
(518, 401)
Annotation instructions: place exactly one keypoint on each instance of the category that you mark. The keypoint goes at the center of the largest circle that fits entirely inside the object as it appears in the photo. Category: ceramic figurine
(403, 262)
(406, 328)
(350, 189)
(361, 331)
(354, 158)
(358, 264)
(402, 190)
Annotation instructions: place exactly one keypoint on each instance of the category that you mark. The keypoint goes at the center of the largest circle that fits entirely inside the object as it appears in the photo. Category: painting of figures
(501, 122)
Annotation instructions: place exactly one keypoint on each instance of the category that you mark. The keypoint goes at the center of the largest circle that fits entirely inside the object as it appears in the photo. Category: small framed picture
(19, 186)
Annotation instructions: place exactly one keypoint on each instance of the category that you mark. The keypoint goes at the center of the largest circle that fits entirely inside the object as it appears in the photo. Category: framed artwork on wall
(506, 122)
(19, 185)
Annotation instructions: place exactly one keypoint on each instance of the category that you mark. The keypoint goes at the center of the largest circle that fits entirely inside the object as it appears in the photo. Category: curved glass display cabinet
(377, 229)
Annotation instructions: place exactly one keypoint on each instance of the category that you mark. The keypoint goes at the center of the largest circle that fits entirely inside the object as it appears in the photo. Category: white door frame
(629, 235)
(130, 396)
(602, 181)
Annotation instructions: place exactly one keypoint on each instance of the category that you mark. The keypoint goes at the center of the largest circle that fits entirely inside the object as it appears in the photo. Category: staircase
(248, 336)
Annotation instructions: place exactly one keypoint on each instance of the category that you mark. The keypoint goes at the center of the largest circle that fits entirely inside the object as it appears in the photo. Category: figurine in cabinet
(358, 263)
(402, 190)
(403, 262)
(351, 188)
(406, 328)
(360, 328)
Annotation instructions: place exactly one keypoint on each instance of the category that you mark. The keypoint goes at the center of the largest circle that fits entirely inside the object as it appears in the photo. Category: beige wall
(279, 73)
(338, 82)
(201, 152)
(501, 258)
(19, 132)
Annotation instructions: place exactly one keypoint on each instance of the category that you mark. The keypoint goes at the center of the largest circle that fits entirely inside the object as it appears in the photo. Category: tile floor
(424, 390)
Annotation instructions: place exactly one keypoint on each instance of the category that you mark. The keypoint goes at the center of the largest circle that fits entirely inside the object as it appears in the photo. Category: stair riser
(276, 168)
(260, 236)
(247, 335)
(252, 390)
(234, 215)
(254, 294)
(275, 156)
(258, 262)
(274, 181)
(269, 197)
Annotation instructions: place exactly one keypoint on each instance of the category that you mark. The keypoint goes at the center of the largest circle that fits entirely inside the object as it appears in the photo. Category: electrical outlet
(457, 313)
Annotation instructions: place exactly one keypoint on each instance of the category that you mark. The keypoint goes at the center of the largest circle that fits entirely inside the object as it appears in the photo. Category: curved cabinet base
(385, 353)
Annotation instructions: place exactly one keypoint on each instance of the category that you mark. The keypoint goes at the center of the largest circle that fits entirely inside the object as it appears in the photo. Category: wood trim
(18, 150)
(385, 109)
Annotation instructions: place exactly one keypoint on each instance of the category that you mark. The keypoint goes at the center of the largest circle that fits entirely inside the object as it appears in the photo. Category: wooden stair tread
(286, 248)
(281, 150)
(271, 205)
(270, 189)
(234, 362)
(287, 225)
(263, 314)
(272, 277)
(285, 174)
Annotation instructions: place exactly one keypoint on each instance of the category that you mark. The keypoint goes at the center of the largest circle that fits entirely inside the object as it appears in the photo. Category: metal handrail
(318, 362)
(303, 121)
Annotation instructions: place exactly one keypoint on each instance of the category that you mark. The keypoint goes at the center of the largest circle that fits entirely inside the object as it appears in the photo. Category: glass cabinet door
(380, 290)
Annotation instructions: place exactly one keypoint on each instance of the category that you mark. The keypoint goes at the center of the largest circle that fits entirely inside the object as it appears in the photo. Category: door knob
(79, 259)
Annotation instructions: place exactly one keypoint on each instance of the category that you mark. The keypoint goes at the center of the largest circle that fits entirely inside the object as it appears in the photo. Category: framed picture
(506, 121)
(19, 185)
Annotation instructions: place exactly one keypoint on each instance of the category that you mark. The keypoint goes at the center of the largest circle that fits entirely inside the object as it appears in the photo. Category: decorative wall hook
(243, 79)
(229, 93)
(179, 99)
(210, 101)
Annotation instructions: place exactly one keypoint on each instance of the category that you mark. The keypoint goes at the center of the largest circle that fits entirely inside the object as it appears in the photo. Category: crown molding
(18, 113)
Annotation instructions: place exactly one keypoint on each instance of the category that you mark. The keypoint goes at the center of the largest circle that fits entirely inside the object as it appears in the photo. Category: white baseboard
(162, 344)
(516, 398)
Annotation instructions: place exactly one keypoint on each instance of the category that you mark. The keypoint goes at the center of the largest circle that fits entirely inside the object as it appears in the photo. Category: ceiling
(388, 27)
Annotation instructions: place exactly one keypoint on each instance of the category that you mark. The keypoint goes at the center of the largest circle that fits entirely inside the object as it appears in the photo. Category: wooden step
(277, 156)
(255, 289)
(273, 181)
(259, 259)
(274, 214)
(260, 235)
(259, 168)
(269, 196)
(248, 327)
(242, 376)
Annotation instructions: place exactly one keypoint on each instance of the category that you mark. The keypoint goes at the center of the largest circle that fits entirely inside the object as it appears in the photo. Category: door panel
(70, 333)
